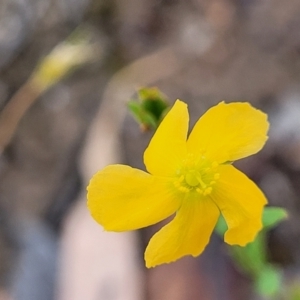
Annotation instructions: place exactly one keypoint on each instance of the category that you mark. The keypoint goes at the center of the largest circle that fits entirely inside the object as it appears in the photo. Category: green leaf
(268, 282)
(221, 226)
(251, 258)
(272, 216)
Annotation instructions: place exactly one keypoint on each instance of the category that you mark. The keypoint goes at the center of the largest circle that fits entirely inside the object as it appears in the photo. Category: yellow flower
(192, 177)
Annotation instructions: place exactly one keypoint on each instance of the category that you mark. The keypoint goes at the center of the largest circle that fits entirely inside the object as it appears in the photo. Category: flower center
(197, 175)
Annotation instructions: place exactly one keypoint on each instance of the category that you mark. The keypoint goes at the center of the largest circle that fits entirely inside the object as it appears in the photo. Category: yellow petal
(168, 145)
(241, 203)
(228, 132)
(122, 198)
(187, 234)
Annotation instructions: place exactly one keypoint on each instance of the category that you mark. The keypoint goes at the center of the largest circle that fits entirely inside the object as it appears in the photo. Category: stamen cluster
(197, 174)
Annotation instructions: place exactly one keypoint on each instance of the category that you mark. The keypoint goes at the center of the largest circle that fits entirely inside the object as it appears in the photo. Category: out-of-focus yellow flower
(75, 51)
(191, 177)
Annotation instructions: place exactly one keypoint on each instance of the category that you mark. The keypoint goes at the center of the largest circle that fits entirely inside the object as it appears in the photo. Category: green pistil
(191, 178)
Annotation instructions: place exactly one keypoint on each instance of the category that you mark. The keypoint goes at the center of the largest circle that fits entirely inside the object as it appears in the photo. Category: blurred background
(67, 69)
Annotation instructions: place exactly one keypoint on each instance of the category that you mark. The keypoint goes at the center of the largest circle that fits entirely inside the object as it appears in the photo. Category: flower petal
(241, 203)
(187, 234)
(122, 198)
(168, 145)
(228, 132)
